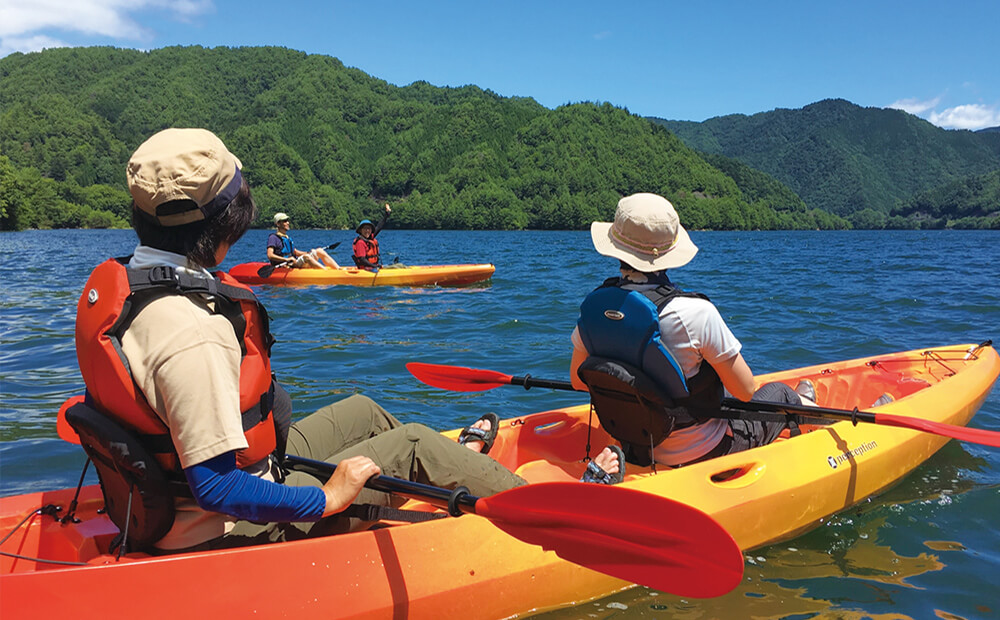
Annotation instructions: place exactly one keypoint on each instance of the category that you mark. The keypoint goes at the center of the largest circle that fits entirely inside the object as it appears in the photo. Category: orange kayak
(417, 275)
(467, 567)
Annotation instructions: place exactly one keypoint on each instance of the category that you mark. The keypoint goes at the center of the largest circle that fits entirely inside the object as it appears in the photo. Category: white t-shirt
(692, 330)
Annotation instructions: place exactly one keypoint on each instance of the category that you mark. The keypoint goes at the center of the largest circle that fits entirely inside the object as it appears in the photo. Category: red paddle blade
(963, 433)
(457, 378)
(639, 537)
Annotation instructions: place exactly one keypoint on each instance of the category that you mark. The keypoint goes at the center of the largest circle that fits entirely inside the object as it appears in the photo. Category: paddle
(642, 538)
(962, 433)
(267, 270)
(462, 379)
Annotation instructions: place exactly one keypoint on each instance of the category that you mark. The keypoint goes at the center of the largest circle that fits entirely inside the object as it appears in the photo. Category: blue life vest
(622, 324)
(637, 387)
(287, 246)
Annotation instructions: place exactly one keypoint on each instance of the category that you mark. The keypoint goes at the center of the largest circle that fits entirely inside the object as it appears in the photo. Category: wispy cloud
(30, 25)
(915, 106)
(34, 43)
(604, 34)
(967, 116)
(971, 116)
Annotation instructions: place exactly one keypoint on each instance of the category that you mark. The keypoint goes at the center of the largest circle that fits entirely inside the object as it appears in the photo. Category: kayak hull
(416, 275)
(467, 567)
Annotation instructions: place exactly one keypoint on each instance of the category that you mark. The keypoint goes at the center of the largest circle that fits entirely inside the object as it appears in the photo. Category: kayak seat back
(629, 403)
(137, 493)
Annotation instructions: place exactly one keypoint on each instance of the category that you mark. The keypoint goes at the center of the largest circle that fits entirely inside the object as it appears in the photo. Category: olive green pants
(359, 426)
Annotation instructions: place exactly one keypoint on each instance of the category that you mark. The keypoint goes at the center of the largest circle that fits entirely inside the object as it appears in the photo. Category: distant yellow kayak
(417, 275)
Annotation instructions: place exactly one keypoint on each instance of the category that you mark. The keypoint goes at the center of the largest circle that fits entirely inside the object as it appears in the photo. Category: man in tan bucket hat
(656, 359)
(187, 363)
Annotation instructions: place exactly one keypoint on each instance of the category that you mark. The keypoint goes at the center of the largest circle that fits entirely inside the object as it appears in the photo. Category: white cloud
(604, 34)
(24, 23)
(36, 43)
(971, 116)
(915, 106)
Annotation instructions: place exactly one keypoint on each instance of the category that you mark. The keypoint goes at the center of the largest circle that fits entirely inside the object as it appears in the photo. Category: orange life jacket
(366, 248)
(112, 298)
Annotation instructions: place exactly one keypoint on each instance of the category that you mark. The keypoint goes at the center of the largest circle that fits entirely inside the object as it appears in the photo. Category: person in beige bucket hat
(656, 359)
(189, 357)
(646, 234)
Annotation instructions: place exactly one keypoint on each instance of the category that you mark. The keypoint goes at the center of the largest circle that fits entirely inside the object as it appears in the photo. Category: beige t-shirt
(186, 361)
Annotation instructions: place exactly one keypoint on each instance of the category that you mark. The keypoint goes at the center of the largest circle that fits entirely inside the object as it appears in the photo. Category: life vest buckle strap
(167, 276)
(163, 275)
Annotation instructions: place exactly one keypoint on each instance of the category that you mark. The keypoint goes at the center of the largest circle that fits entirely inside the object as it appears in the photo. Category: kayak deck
(387, 571)
(416, 275)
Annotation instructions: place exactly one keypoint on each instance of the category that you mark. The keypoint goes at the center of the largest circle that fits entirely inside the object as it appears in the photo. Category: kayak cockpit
(44, 536)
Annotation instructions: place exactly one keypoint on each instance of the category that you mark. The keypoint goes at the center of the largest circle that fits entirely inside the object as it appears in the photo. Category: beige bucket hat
(646, 234)
(176, 167)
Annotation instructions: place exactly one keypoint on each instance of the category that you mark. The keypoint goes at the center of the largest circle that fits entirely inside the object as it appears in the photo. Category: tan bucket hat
(646, 234)
(186, 165)
(280, 217)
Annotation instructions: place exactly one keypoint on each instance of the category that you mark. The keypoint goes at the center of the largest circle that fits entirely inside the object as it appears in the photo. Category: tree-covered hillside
(973, 202)
(327, 144)
(844, 158)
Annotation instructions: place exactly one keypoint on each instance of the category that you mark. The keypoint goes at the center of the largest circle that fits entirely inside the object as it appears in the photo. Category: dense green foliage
(973, 202)
(765, 190)
(845, 159)
(328, 144)
(29, 200)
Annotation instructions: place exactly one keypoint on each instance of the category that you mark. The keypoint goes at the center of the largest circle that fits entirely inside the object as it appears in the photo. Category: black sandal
(596, 474)
(477, 434)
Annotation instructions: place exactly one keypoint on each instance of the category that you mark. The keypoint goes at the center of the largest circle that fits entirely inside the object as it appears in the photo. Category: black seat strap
(374, 512)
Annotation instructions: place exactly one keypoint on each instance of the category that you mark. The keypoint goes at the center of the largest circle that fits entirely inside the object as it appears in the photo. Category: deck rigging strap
(49, 509)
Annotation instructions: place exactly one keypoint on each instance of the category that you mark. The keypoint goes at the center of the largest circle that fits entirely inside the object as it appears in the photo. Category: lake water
(929, 547)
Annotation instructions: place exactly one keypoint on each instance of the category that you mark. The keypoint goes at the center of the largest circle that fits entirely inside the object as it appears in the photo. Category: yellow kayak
(417, 275)
(467, 567)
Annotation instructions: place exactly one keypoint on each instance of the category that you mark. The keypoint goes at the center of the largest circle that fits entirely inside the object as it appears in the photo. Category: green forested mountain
(327, 144)
(843, 158)
(973, 202)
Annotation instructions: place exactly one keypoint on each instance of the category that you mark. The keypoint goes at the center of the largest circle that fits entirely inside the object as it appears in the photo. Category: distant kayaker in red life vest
(366, 252)
(282, 251)
(194, 362)
(674, 378)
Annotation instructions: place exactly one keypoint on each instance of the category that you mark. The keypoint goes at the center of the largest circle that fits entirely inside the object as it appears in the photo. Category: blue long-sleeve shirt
(218, 485)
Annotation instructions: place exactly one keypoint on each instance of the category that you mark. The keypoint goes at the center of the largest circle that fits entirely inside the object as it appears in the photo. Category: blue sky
(681, 60)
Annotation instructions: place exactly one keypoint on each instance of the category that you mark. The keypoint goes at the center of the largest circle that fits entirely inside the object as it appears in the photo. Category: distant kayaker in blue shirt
(281, 249)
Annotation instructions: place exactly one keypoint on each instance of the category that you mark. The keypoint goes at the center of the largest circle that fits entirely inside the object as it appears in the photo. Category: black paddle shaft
(817, 413)
(529, 382)
(456, 501)
(853, 415)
